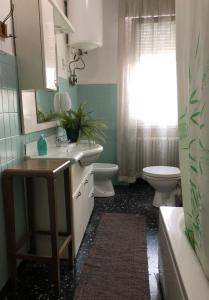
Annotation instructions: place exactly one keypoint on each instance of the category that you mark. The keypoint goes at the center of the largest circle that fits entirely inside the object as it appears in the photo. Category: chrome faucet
(61, 141)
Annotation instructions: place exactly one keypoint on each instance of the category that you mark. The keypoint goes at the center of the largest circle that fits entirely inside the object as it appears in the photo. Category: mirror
(49, 102)
(39, 105)
(29, 113)
(44, 105)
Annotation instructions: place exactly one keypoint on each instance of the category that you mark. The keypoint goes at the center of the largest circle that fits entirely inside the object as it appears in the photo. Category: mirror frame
(29, 114)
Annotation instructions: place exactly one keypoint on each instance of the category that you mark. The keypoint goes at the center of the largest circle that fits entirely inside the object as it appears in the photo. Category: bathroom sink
(83, 152)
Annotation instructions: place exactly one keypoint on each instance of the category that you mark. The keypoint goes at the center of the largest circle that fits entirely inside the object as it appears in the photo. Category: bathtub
(180, 272)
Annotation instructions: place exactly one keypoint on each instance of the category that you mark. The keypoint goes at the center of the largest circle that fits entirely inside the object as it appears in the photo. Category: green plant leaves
(89, 128)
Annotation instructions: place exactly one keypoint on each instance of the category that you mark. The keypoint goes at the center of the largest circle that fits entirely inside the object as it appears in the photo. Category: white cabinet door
(90, 202)
(86, 215)
(49, 44)
(91, 193)
(91, 181)
(35, 44)
(77, 207)
(82, 201)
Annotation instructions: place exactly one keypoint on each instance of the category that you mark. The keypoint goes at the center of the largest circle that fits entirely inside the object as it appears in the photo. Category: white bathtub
(181, 275)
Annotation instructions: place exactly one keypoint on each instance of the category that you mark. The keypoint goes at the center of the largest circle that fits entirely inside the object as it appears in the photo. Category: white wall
(6, 45)
(101, 64)
(63, 51)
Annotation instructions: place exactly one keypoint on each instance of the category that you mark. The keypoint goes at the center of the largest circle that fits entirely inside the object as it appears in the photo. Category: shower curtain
(192, 31)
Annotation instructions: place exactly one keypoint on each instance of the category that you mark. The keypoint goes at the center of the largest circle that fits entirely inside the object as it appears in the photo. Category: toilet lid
(162, 171)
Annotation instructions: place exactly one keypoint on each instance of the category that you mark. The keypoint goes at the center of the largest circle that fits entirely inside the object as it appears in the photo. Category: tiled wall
(11, 140)
(11, 148)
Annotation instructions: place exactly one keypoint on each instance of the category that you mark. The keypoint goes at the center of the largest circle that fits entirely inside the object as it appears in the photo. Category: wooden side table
(49, 169)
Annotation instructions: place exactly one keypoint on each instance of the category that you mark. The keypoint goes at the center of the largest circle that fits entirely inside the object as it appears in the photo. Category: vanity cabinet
(82, 202)
(35, 44)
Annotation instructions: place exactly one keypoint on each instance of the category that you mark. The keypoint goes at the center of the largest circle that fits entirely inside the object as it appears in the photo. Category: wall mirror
(44, 105)
(30, 106)
(38, 107)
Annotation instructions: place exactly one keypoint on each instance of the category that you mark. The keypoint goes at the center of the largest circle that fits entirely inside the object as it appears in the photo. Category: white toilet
(103, 174)
(164, 180)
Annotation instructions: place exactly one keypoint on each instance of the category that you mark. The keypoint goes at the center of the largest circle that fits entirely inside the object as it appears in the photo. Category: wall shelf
(61, 22)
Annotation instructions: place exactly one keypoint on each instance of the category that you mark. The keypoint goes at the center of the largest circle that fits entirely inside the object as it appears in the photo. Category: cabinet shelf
(61, 22)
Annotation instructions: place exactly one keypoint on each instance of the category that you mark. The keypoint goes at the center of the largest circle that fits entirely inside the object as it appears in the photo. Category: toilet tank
(87, 18)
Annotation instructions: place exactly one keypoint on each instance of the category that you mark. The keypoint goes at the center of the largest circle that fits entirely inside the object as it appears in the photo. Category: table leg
(30, 204)
(54, 233)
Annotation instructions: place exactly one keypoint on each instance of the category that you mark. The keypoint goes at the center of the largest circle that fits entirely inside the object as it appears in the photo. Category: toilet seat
(103, 168)
(162, 172)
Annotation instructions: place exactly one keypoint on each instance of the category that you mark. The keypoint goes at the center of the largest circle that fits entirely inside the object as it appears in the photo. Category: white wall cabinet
(35, 44)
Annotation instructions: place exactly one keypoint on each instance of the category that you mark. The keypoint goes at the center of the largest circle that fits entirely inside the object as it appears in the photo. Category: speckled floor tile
(34, 279)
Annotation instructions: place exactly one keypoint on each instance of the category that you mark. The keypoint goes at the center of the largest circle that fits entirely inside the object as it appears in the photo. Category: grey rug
(117, 267)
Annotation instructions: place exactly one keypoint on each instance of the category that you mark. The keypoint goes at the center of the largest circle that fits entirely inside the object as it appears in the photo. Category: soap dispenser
(42, 145)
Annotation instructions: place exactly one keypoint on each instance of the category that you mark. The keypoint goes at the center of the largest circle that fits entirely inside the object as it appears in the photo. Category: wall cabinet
(35, 44)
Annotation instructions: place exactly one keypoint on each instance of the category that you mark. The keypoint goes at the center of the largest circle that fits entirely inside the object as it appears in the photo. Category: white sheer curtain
(147, 92)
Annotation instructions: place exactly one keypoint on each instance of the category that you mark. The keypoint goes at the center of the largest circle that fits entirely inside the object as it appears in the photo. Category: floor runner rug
(117, 267)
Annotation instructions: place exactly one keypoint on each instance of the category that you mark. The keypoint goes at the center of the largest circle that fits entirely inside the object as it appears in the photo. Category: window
(152, 86)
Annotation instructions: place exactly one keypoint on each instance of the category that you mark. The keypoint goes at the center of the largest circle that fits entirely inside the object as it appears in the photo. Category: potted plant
(79, 124)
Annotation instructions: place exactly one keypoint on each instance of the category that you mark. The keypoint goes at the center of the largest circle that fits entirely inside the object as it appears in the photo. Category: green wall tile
(3, 154)
(1, 101)
(2, 133)
(9, 149)
(9, 60)
(6, 125)
(12, 124)
(11, 101)
(5, 100)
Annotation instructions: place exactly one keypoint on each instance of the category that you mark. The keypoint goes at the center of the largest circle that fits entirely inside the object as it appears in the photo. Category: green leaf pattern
(192, 130)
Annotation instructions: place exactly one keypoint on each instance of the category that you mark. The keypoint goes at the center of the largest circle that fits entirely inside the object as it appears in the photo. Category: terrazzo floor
(34, 280)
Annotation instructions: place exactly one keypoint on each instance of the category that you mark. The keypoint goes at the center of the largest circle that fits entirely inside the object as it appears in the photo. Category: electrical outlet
(3, 30)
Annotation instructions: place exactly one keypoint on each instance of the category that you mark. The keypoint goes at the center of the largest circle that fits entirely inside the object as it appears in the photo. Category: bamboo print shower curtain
(192, 21)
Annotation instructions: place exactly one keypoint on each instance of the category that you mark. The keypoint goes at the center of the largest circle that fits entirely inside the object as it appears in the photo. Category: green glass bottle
(42, 145)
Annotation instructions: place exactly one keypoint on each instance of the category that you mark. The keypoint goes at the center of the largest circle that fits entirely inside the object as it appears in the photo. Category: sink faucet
(61, 141)
(61, 137)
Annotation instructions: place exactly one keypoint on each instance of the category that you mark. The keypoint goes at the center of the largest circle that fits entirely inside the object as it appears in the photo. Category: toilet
(164, 180)
(103, 174)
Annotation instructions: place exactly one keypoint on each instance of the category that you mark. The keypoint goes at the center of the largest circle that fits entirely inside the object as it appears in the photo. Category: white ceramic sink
(84, 152)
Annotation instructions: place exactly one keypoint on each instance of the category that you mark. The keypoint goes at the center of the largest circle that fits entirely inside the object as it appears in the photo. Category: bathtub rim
(186, 262)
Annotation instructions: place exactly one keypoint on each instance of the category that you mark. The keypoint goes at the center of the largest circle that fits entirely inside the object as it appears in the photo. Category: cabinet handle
(92, 172)
(92, 195)
(79, 194)
(86, 181)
